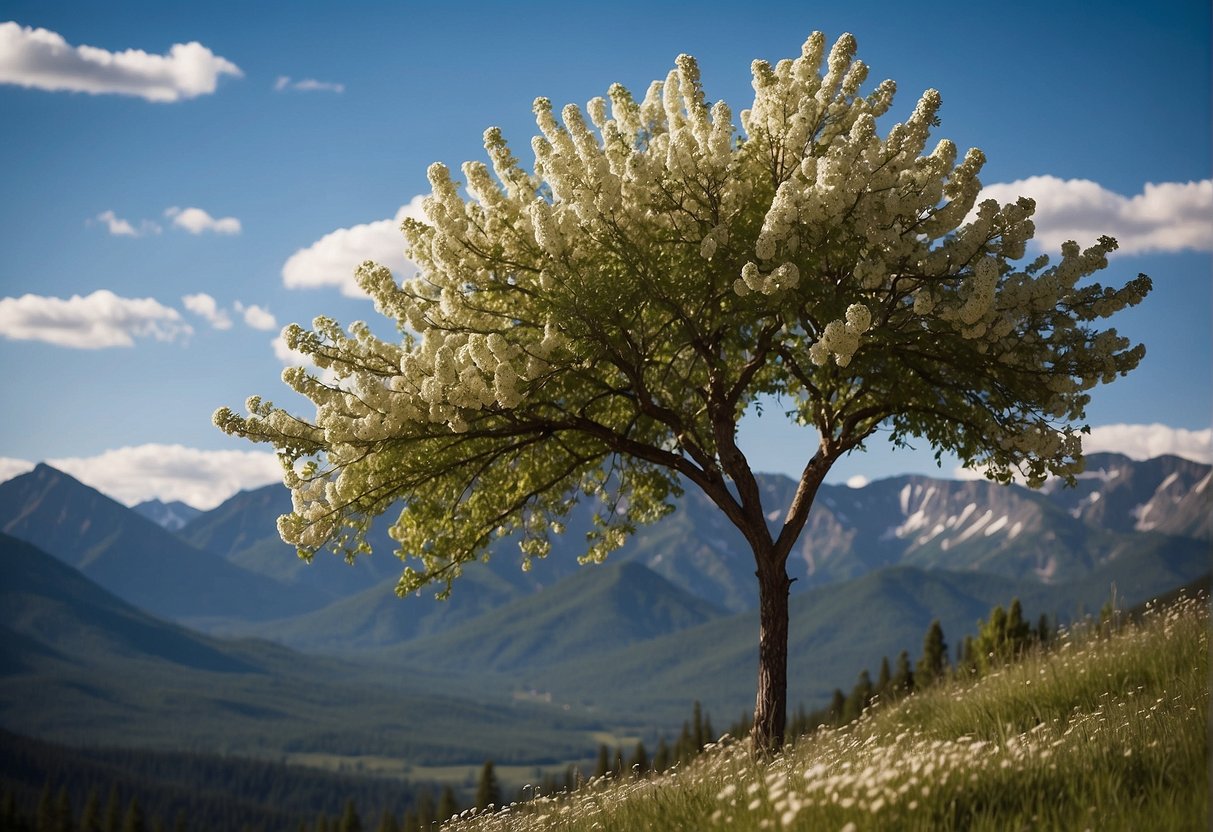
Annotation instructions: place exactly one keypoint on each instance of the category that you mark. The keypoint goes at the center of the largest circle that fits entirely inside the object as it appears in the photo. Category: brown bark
(770, 706)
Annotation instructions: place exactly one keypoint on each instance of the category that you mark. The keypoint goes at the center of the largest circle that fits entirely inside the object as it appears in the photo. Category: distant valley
(105, 610)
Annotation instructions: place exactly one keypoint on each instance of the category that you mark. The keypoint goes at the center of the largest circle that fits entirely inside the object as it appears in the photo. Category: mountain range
(104, 611)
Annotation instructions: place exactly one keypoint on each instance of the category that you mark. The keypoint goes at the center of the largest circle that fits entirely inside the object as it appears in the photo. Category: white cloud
(130, 475)
(10, 467)
(41, 59)
(857, 481)
(331, 260)
(204, 306)
(94, 321)
(1164, 217)
(285, 83)
(1149, 441)
(1138, 442)
(120, 227)
(196, 221)
(256, 316)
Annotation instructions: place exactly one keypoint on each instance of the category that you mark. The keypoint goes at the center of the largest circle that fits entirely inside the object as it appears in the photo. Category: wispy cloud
(331, 260)
(285, 84)
(203, 479)
(197, 221)
(256, 316)
(204, 306)
(1164, 217)
(41, 59)
(1138, 442)
(1149, 441)
(119, 227)
(101, 319)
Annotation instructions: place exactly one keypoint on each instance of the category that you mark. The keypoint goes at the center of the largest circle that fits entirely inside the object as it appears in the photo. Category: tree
(387, 822)
(90, 817)
(860, 698)
(134, 820)
(661, 758)
(488, 792)
(595, 328)
(884, 680)
(350, 821)
(448, 804)
(640, 760)
(903, 677)
(933, 663)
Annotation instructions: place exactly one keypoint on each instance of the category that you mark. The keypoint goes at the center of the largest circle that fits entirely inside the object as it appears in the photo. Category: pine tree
(424, 807)
(884, 679)
(838, 704)
(603, 766)
(709, 735)
(903, 678)
(1044, 633)
(860, 698)
(44, 820)
(968, 656)
(113, 810)
(697, 732)
(63, 812)
(387, 823)
(411, 824)
(685, 749)
(934, 661)
(134, 820)
(488, 792)
(448, 804)
(350, 822)
(322, 823)
(8, 812)
(661, 760)
(640, 760)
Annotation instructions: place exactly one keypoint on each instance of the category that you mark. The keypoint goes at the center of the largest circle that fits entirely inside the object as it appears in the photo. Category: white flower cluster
(841, 339)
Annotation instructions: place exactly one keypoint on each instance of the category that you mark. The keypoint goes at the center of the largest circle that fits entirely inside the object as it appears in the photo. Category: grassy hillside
(1106, 731)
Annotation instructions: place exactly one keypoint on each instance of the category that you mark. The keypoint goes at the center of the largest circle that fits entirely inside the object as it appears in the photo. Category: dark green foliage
(90, 817)
(488, 790)
(661, 758)
(350, 822)
(885, 680)
(179, 791)
(838, 704)
(387, 823)
(1002, 638)
(697, 732)
(640, 761)
(134, 820)
(448, 804)
(113, 810)
(933, 664)
(860, 698)
(603, 766)
(902, 683)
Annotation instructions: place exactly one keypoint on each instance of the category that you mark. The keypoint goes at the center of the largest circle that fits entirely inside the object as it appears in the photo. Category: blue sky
(291, 122)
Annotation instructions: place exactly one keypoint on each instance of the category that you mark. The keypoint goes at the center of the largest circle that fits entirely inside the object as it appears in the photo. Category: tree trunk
(770, 706)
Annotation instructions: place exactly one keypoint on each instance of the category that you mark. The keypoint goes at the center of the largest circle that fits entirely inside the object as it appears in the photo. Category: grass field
(1105, 731)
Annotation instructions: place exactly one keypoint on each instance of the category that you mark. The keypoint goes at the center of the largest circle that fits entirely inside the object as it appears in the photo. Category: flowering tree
(595, 328)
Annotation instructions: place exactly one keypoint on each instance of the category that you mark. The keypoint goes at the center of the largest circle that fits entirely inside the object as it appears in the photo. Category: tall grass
(1104, 731)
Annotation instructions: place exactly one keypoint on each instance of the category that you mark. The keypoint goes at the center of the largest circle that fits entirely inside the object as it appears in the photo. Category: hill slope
(133, 557)
(1107, 732)
(78, 665)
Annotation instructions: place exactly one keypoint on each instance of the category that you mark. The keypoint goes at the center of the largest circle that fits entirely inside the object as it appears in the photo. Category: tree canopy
(595, 326)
